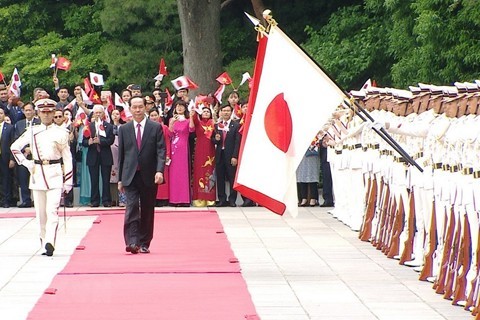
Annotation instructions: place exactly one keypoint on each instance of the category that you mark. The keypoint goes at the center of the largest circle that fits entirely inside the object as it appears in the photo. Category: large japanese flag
(281, 121)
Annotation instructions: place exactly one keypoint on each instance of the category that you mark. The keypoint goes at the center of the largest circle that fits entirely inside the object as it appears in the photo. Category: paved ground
(309, 267)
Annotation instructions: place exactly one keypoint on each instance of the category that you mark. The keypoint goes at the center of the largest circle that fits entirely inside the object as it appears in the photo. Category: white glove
(67, 188)
(29, 164)
(375, 125)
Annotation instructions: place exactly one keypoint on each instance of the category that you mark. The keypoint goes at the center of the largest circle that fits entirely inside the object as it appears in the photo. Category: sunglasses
(56, 117)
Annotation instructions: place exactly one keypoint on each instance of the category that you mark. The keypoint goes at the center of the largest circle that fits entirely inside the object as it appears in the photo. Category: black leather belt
(437, 165)
(47, 162)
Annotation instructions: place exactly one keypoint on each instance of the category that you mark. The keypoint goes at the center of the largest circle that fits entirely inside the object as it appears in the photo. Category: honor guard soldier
(50, 169)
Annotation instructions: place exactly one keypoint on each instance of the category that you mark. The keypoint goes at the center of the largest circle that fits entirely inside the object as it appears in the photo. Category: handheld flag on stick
(162, 70)
(96, 79)
(60, 63)
(219, 93)
(245, 77)
(184, 82)
(63, 64)
(2, 78)
(15, 84)
(225, 79)
(53, 64)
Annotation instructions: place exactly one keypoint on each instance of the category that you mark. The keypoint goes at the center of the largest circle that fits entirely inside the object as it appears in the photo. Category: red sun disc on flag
(278, 123)
(179, 83)
(16, 77)
(95, 79)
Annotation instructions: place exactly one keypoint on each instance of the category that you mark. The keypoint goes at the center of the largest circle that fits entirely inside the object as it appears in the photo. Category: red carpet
(191, 273)
(183, 242)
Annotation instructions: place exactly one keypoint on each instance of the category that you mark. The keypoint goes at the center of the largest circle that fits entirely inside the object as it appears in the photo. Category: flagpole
(382, 132)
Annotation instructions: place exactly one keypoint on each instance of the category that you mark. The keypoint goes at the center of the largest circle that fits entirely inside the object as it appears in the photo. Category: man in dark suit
(227, 144)
(6, 159)
(141, 156)
(14, 110)
(23, 175)
(99, 156)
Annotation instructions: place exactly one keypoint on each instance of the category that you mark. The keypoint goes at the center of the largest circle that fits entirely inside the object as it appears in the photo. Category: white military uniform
(50, 170)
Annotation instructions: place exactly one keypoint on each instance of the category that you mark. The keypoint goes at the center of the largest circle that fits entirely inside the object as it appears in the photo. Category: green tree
(350, 47)
(137, 35)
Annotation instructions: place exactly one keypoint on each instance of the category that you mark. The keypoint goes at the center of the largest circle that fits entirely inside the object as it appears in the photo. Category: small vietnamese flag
(224, 78)
(63, 64)
(88, 86)
(86, 129)
(162, 69)
(2, 78)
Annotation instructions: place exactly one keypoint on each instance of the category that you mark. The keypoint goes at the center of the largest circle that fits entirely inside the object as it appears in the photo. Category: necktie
(28, 124)
(224, 134)
(139, 136)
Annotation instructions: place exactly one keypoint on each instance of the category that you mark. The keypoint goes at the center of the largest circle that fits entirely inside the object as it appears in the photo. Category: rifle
(452, 258)
(378, 211)
(427, 270)
(472, 299)
(397, 228)
(368, 183)
(380, 238)
(366, 232)
(463, 264)
(439, 284)
(363, 114)
(389, 225)
(408, 250)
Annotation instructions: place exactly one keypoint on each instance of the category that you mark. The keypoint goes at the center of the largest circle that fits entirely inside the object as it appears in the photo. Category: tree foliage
(400, 43)
(395, 42)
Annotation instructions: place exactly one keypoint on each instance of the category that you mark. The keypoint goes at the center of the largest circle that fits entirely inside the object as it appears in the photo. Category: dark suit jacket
(150, 158)
(6, 141)
(21, 125)
(104, 157)
(232, 141)
(15, 114)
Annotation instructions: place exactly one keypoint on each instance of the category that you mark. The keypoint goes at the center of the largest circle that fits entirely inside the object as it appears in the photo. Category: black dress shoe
(327, 205)
(49, 247)
(107, 205)
(144, 249)
(221, 204)
(25, 205)
(133, 249)
(6, 206)
(69, 205)
(232, 204)
(94, 205)
(248, 203)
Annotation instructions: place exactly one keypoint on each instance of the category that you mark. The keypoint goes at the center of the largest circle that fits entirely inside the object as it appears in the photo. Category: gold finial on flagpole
(258, 26)
(261, 31)
(267, 15)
